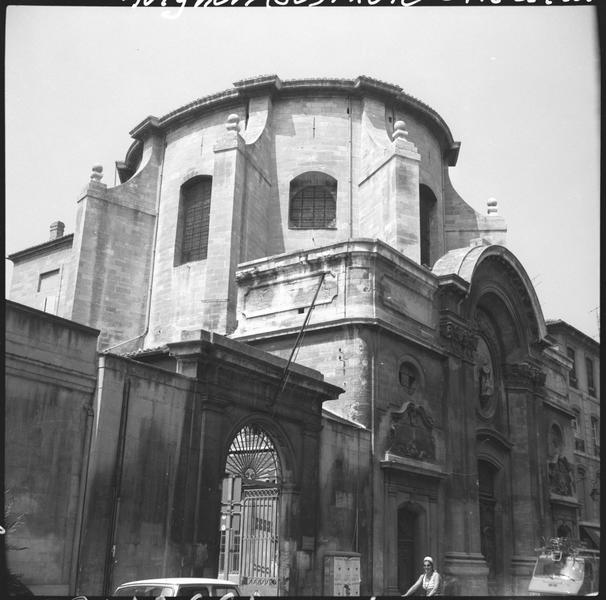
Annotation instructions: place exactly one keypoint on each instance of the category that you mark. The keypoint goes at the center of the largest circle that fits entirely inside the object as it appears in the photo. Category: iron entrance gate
(249, 543)
(259, 564)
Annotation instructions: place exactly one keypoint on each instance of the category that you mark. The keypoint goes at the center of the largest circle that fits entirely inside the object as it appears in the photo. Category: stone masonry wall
(179, 289)
(50, 382)
(26, 278)
(312, 134)
(115, 248)
(153, 407)
(345, 511)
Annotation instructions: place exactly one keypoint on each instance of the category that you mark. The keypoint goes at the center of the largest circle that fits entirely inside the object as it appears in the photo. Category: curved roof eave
(272, 85)
(463, 262)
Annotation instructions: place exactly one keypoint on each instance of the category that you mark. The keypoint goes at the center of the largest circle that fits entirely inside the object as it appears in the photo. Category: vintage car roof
(178, 581)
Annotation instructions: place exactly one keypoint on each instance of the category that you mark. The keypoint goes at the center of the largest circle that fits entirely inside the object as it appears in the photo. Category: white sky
(519, 87)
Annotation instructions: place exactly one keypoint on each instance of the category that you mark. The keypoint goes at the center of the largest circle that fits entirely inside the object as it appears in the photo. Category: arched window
(191, 243)
(427, 218)
(313, 203)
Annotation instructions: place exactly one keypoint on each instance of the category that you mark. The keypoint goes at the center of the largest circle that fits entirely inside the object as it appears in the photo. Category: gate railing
(259, 537)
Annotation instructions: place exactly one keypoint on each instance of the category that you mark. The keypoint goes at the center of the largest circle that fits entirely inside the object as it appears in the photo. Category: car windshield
(144, 590)
(566, 568)
(222, 590)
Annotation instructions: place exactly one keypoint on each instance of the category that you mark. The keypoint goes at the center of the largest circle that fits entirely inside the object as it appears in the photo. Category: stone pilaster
(390, 196)
(404, 224)
(523, 382)
(289, 520)
(219, 306)
(464, 569)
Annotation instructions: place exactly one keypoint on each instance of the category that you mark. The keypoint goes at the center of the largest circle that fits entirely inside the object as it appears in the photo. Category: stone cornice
(202, 345)
(524, 373)
(268, 267)
(339, 324)
(559, 406)
(272, 85)
(51, 246)
(411, 465)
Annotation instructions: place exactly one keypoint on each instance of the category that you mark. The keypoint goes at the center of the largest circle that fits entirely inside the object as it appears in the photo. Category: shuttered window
(192, 233)
(313, 201)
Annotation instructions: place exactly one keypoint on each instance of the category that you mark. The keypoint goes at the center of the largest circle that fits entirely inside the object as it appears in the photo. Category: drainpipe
(372, 463)
(110, 553)
(349, 110)
(79, 527)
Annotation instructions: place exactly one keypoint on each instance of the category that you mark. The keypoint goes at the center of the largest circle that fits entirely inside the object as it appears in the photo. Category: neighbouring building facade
(584, 394)
(316, 362)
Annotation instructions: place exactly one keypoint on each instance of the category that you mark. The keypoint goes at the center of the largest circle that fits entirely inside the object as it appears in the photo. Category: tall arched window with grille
(313, 201)
(191, 243)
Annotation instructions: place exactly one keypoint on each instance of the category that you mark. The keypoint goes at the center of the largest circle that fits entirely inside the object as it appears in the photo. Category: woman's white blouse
(430, 583)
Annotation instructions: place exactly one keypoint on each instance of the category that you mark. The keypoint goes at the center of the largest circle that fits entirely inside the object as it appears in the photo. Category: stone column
(225, 226)
(522, 380)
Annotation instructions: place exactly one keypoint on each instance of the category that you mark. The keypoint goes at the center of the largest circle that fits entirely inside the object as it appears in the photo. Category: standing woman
(430, 583)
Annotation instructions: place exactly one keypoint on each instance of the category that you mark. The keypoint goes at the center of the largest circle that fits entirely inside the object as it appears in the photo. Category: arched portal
(249, 542)
(410, 544)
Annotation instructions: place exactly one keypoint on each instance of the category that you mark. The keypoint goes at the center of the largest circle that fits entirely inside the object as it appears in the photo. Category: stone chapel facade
(318, 215)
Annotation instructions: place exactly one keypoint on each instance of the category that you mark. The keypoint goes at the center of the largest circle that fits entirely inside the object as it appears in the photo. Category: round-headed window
(313, 202)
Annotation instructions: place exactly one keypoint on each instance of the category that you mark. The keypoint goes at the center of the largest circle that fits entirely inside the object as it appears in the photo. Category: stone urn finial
(491, 206)
(97, 173)
(399, 131)
(233, 123)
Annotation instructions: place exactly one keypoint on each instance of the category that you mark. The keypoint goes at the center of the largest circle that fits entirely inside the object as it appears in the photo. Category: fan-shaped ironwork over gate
(249, 548)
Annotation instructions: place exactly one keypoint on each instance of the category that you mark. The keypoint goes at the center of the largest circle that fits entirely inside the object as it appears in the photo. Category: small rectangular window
(590, 382)
(595, 432)
(48, 287)
(49, 281)
(572, 377)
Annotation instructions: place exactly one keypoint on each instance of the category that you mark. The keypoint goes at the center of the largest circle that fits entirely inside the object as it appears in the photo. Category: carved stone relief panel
(288, 295)
(459, 339)
(411, 433)
(560, 470)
